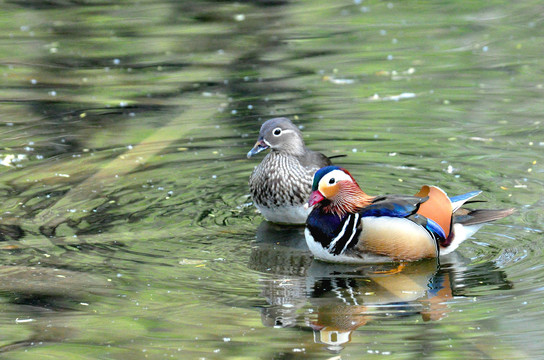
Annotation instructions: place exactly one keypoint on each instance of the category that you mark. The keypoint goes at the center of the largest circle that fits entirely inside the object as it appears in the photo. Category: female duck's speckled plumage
(281, 183)
(347, 225)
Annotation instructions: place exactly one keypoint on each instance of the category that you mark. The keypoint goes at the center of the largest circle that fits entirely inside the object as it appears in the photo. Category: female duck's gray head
(279, 134)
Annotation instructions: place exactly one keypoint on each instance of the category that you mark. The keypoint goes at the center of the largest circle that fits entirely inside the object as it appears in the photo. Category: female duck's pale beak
(260, 145)
(315, 197)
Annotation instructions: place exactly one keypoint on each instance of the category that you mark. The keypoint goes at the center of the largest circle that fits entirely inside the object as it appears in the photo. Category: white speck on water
(390, 5)
(123, 103)
(394, 41)
(129, 147)
(401, 96)
(365, 9)
(52, 93)
(354, 150)
(239, 17)
(33, 81)
(389, 57)
(226, 339)
(246, 78)
(221, 51)
(392, 154)
(20, 321)
(119, 275)
(485, 48)
(233, 112)
(116, 61)
(53, 50)
(450, 169)
(383, 32)
(214, 176)
(250, 107)
(357, 2)
(24, 28)
(217, 350)
(341, 81)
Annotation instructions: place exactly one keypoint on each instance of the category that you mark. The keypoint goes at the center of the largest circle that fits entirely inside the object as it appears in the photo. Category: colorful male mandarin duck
(281, 184)
(347, 225)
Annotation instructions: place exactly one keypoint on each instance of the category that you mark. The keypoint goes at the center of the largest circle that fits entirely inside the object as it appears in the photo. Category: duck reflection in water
(334, 299)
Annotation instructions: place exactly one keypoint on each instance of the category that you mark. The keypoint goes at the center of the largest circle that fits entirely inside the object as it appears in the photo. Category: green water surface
(126, 229)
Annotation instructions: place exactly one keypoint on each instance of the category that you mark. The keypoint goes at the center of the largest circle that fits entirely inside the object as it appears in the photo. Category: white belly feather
(288, 214)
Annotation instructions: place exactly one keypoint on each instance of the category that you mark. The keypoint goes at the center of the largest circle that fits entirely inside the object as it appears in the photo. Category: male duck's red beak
(315, 197)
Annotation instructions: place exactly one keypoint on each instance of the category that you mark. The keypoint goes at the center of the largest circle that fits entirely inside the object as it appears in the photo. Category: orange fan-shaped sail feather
(437, 208)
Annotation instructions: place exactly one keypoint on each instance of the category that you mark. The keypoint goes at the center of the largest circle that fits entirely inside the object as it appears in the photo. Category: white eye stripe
(336, 176)
(281, 131)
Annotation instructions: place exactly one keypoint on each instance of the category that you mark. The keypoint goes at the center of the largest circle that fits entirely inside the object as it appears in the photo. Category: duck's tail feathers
(337, 156)
(466, 222)
(474, 217)
(459, 200)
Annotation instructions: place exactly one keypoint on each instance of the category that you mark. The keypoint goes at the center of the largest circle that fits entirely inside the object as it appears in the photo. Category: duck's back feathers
(314, 160)
(393, 206)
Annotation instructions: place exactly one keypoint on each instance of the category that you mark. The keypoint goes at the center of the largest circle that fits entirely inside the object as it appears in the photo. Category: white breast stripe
(353, 232)
(339, 236)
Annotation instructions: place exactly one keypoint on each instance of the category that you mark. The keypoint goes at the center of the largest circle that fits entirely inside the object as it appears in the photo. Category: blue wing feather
(458, 200)
(403, 207)
(435, 228)
(394, 206)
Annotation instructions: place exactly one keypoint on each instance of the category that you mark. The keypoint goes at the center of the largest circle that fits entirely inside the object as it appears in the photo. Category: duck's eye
(332, 181)
(277, 132)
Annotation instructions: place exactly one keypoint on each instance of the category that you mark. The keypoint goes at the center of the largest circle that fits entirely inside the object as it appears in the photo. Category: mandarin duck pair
(295, 185)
